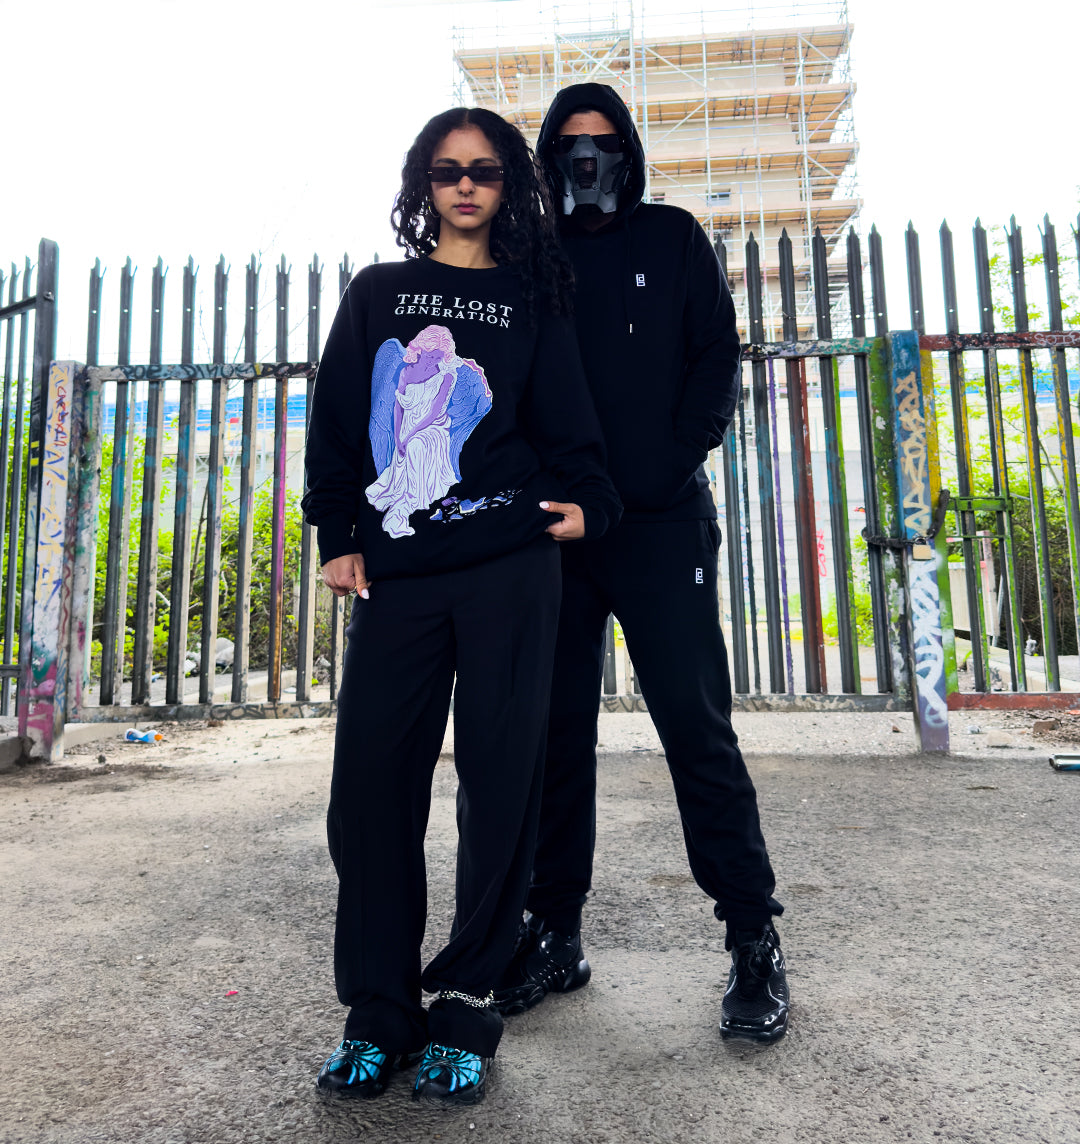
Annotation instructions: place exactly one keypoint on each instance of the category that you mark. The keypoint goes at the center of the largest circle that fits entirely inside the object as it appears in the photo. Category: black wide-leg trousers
(659, 580)
(493, 625)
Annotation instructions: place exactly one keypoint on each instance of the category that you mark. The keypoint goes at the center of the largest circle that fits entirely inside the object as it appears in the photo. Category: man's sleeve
(337, 428)
(713, 375)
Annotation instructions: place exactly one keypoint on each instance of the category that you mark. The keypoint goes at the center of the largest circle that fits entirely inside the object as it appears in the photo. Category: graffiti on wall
(51, 601)
(913, 465)
(911, 456)
(927, 641)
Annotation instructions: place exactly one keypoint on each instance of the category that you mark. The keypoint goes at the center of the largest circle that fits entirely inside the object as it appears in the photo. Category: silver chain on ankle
(468, 998)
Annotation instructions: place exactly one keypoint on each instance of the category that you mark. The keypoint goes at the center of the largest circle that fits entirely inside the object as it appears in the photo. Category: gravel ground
(167, 916)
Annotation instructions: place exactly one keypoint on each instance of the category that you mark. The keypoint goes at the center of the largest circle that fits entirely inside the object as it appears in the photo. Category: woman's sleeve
(561, 424)
(337, 428)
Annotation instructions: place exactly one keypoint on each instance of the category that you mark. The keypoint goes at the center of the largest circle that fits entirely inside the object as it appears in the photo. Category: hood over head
(594, 97)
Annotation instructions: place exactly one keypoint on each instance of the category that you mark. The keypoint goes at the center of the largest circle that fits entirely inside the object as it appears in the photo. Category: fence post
(83, 507)
(911, 410)
(53, 520)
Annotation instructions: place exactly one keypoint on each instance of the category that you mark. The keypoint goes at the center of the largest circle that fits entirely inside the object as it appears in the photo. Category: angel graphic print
(425, 402)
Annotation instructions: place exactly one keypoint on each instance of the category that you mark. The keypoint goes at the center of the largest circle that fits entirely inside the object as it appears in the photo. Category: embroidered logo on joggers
(699, 576)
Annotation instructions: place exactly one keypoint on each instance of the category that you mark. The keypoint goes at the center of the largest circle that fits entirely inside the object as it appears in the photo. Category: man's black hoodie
(656, 327)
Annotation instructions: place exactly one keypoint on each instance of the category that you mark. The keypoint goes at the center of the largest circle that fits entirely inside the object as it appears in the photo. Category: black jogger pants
(494, 626)
(659, 579)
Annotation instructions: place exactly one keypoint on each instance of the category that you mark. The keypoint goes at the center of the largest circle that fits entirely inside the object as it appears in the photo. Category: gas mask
(593, 170)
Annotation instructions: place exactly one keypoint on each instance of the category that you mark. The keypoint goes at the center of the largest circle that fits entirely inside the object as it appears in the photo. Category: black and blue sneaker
(357, 1068)
(756, 1003)
(451, 1076)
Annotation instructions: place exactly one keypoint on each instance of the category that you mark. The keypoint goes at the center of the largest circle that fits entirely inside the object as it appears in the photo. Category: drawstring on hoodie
(628, 262)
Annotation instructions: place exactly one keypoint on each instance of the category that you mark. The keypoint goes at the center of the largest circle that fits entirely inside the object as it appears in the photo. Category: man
(656, 326)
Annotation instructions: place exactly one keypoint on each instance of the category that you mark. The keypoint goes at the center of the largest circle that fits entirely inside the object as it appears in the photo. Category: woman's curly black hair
(523, 232)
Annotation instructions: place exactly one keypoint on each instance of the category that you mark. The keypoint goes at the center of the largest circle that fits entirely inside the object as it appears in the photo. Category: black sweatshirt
(442, 417)
(656, 328)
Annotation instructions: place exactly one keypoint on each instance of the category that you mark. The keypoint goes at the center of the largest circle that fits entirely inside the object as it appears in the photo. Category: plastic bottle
(134, 736)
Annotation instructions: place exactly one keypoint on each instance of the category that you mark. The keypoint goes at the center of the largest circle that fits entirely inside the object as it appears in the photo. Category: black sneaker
(755, 1006)
(543, 963)
(357, 1068)
(451, 1076)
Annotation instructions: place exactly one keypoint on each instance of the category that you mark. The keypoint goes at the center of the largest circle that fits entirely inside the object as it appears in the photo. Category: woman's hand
(345, 574)
(572, 525)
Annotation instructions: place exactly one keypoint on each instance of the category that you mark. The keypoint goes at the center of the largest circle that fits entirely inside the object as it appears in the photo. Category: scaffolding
(745, 114)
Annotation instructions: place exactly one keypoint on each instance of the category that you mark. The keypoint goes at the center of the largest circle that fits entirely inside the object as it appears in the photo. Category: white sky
(177, 127)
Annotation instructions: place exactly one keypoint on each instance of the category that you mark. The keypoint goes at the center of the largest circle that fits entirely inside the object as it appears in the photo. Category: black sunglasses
(609, 144)
(477, 174)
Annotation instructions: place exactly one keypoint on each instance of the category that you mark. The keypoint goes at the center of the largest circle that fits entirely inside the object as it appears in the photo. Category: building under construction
(746, 114)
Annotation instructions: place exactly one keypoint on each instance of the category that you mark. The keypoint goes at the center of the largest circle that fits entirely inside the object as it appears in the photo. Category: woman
(452, 437)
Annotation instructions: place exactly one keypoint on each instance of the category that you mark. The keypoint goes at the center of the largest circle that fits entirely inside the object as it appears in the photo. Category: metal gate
(856, 503)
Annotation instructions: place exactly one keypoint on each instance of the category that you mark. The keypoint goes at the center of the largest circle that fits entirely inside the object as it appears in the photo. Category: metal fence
(225, 409)
(872, 488)
(1002, 445)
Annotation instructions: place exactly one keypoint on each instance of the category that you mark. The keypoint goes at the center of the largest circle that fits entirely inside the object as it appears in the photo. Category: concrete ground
(166, 917)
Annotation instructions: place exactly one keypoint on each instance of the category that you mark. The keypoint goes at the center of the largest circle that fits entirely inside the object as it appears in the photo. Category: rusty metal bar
(834, 456)
(802, 472)
(814, 347)
(114, 608)
(212, 561)
(980, 651)
(221, 295)
(1069, 492)
(146, 582)
(1013, 700)
(244, 541)
(888, 514)
(184, 491)
(775, 442)
(93, 318)
(305, 621)
(251, 311)
(999, 462)
(877, 285)
(206, 371)
(127, 291)
(187, 325)
(14, 525)
(202, 711)
(610, 682)
(180, 585)
(733, 544)
(748, 540)
(1034, 466)
(277, 534)
(765, 482)
(876, 571)
(1006, 340)
(22, 306)
(741, 703)
(337, 613)
(914, 275)
(10, 434)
